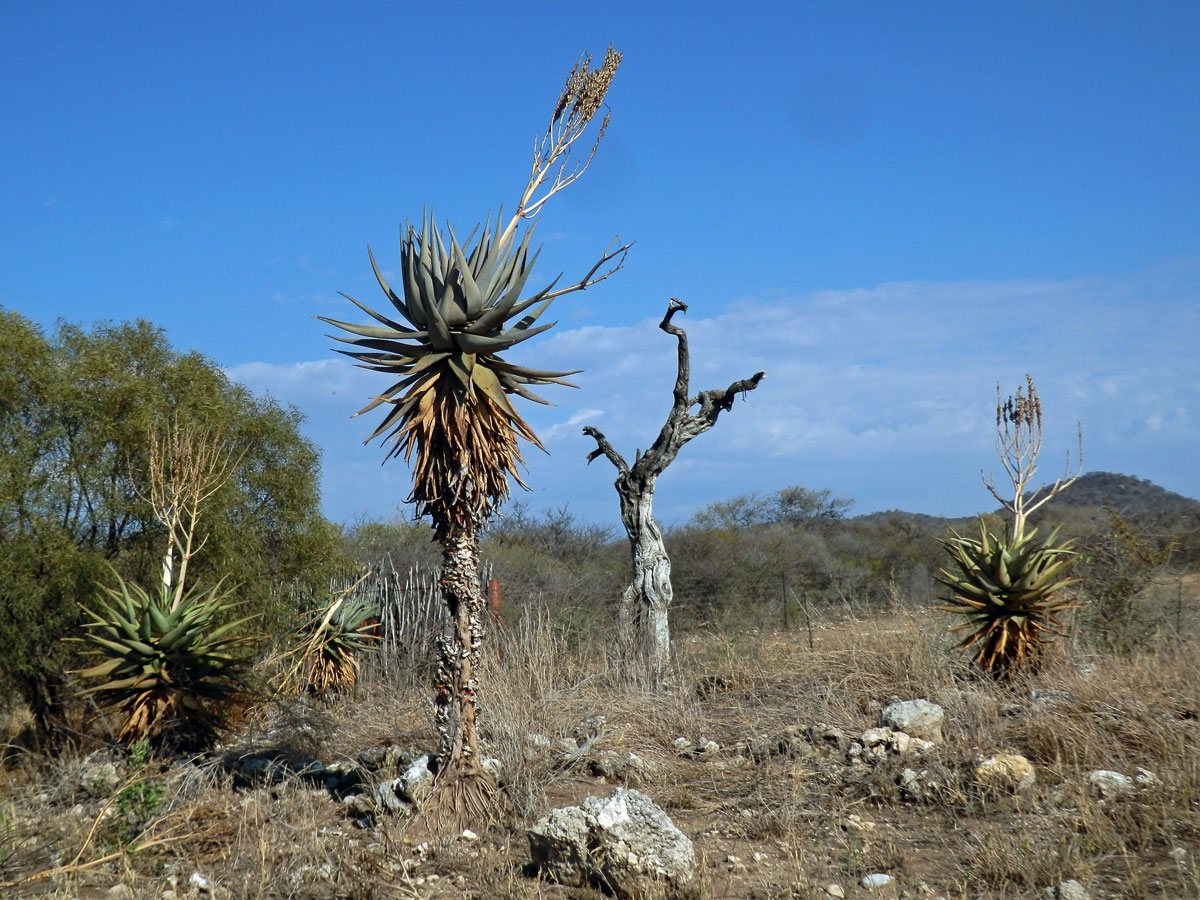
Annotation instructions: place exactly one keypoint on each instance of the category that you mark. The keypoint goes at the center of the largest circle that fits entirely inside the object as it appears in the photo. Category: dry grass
(771, 816)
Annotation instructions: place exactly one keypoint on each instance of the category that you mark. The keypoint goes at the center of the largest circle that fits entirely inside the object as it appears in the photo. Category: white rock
(836, 891)
(200, 883)
(626, 767)
(1109, 784)
(624, 841)
(910, 784)
(900, 743)
(469, 835)
(872, 737)
(1066, 890)
(916, 718)
(417, 778)
(877, 880)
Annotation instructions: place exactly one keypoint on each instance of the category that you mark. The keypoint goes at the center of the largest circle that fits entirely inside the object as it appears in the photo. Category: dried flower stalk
(1018, 442)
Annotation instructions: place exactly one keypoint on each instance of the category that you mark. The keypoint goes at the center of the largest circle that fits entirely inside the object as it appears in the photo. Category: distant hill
(897, 516)
(1129, 496)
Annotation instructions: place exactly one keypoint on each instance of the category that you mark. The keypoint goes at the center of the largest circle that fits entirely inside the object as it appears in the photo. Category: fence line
(410, 610)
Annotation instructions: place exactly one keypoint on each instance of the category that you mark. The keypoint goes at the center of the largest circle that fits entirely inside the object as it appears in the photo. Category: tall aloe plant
(449, 411)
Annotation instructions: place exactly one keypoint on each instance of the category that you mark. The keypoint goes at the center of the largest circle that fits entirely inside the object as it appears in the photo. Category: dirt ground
(775, 805)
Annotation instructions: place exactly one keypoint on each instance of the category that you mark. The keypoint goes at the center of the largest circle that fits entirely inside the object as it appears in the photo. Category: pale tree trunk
(459, 650)
(643, 634)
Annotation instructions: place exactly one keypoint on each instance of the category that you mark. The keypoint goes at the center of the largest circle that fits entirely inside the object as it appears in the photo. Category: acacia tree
(450, 412)
(643, 632)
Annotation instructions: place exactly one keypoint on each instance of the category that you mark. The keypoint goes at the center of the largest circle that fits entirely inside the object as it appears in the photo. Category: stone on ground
(916, 718)
(624, 844)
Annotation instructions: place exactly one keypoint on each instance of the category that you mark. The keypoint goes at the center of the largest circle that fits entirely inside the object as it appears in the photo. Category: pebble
(200, 883)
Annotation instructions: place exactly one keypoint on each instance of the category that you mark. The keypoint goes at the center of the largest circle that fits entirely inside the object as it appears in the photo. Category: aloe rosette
(1010, 590)
(165, 657)
(335, 640)
(450, 404)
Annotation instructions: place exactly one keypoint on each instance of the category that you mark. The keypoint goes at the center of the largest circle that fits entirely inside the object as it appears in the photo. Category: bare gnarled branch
(604, 448)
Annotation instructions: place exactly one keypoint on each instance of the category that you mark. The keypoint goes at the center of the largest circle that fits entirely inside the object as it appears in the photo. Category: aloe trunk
(459, 650)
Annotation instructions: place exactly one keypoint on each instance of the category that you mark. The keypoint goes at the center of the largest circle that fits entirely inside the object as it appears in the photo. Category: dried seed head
(585, 88)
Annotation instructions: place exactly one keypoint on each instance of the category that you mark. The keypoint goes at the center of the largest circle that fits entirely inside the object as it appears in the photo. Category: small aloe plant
(1010, 586)
(166, 662)
(333, 639)
(1011, 592)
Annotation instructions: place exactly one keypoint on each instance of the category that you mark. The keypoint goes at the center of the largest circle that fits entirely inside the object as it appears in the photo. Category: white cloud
(883, 394)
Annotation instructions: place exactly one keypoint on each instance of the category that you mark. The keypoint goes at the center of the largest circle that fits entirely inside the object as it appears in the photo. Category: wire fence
(410, 612)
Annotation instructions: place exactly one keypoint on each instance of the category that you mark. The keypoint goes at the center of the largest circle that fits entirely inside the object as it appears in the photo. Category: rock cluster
(1110, 785)
(579, 751)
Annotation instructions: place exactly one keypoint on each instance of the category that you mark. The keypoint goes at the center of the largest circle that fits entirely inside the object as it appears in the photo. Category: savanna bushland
(795, 624)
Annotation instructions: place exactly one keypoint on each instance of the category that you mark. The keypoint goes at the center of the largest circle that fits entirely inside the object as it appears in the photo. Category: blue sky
(888, 207)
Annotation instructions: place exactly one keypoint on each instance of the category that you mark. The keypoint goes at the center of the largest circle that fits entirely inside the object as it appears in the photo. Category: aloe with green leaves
(165, 658)
(1010, 587)
(326, 657)
(171, 658)
(449, 410)
(450, 406)
(1010, 590)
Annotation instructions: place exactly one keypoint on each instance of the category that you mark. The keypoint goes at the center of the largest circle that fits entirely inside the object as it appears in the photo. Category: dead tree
(643, 635)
